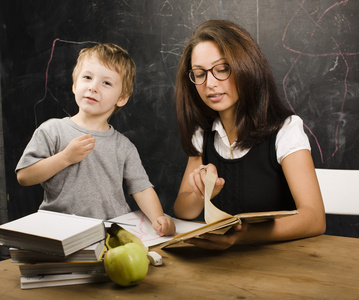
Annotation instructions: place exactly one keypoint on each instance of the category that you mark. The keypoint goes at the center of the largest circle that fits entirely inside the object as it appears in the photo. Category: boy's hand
(79, 148)
(164, 226)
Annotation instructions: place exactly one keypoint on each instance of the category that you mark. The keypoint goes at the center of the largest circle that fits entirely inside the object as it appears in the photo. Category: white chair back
(340, 190)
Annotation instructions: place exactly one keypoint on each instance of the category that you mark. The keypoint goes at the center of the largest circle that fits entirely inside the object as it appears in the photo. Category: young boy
(82, 161)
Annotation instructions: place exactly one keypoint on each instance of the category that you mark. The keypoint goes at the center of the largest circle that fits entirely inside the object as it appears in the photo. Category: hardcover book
(93, 252)
(52, 232)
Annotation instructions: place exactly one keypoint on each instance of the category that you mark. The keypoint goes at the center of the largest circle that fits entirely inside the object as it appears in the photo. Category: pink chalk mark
(48, 67)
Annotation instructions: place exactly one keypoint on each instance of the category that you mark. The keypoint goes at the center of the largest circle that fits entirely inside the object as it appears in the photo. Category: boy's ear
(122, 101)
(73, 88)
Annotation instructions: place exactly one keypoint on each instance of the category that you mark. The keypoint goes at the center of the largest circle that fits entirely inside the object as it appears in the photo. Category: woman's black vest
(254, 182)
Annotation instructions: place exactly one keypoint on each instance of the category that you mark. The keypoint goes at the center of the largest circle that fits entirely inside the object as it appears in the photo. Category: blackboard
(312, 46)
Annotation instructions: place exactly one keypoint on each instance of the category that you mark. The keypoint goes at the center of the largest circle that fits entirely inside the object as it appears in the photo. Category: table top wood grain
(323, 267)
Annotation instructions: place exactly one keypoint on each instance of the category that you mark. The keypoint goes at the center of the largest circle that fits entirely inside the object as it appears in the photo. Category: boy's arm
(44, 169)
(150, 205)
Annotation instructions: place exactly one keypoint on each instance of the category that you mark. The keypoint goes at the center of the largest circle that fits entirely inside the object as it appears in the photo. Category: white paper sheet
(143, 227)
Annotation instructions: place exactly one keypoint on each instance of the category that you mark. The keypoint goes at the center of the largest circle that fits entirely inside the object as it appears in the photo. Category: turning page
(211, 212)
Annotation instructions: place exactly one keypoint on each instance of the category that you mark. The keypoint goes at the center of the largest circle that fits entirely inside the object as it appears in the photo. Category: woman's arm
(300, 174)
(189, 204)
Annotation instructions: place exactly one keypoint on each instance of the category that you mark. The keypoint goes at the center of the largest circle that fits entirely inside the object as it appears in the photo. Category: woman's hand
(219, 241)
(190, 199)
(198, 177)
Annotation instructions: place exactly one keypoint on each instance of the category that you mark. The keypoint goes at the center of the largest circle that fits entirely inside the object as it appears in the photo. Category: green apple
(126, 265)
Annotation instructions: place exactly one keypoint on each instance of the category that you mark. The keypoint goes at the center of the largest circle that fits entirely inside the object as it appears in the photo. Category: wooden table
(324, 267)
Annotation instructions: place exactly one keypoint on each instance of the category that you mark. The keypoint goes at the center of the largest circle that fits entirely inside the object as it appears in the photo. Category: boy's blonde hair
(113, 57)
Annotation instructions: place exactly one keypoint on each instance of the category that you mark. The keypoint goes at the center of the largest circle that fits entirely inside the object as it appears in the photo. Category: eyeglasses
(220, 72)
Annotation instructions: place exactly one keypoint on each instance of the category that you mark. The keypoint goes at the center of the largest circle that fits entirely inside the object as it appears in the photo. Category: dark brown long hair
(259, 110)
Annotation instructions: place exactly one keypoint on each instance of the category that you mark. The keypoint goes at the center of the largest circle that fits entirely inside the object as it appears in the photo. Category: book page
(141, 226)
(212, 213)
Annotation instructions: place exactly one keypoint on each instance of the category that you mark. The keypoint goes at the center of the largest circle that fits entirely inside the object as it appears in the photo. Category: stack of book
(54, 249)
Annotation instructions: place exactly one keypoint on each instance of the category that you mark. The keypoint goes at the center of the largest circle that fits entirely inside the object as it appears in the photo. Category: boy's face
(97, 88)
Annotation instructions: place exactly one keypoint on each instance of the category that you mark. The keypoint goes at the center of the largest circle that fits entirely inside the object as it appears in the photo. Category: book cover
(52, 232)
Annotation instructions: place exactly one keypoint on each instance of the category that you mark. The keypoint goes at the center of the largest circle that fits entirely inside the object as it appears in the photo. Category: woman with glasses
(233, 123)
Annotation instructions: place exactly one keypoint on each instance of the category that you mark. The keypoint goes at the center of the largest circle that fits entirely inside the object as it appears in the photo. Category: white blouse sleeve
(197, 139)
(291, 138)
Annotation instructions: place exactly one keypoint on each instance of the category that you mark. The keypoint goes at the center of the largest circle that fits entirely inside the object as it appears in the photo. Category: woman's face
(219, 95)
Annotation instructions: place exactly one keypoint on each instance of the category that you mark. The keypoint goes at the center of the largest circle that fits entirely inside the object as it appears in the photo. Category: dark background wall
(312, 46)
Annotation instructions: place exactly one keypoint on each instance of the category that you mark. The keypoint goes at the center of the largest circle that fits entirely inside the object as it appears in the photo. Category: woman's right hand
(198, 177)
(190, 199)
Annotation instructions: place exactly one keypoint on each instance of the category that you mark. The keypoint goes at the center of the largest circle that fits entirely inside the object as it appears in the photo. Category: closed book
(52, 232)
(46, 268)
(31, 282)
(93, 252)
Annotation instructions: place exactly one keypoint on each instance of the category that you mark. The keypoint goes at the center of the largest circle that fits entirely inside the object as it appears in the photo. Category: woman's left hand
(219, 241)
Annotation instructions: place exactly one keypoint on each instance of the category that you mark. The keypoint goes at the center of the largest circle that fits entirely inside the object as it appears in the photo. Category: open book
(218, 221)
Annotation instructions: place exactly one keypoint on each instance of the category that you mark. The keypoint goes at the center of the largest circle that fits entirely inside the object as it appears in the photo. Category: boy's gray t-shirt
(94, 186)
